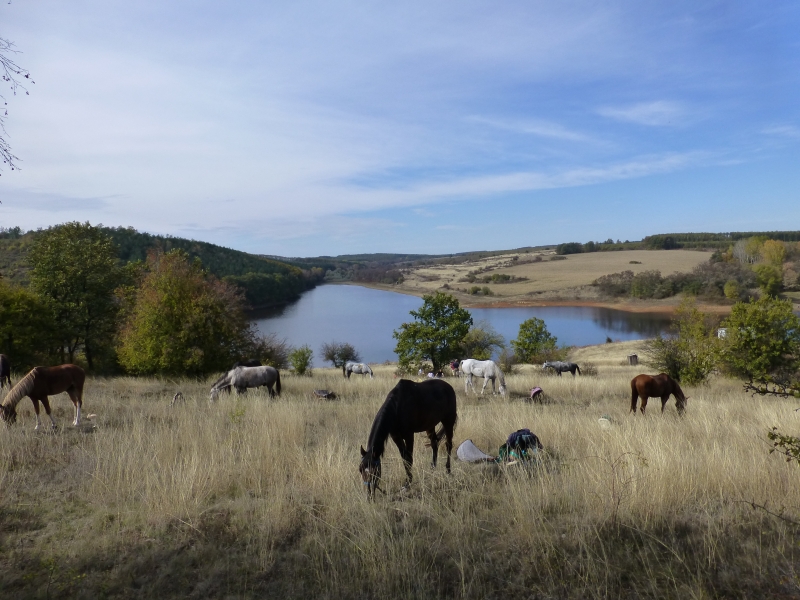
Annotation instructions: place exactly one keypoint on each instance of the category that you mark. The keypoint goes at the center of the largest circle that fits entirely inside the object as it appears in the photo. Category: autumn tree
(183, 321)
(436, 334)
(75, 271)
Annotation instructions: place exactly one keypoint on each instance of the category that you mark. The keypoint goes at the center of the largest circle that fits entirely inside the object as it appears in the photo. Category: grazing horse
(482, 368)
(250, 362)
(242, 378)
(5, 371)
(357, 368)
(559, 367)
(409, 408)
(42, 382)
(658, 386)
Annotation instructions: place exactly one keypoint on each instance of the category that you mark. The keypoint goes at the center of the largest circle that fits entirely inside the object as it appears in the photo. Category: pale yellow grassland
(549, 279)
(257, 497)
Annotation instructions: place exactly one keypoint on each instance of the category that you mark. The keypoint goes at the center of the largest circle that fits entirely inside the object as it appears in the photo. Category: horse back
(54, 380)
(655, 385)
(422, 406)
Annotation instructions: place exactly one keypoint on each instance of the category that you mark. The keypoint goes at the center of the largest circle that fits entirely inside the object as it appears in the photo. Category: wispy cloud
(659, 113)
(785, 131)
(545, 129)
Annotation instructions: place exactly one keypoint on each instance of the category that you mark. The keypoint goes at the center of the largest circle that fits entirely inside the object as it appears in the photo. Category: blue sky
(304, 128)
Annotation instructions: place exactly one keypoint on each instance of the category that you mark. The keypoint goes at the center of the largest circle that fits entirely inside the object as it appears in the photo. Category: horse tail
(344, 373)
(278, 382)
(18, 392)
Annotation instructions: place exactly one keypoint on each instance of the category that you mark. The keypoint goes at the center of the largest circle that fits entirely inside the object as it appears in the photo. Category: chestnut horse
(408, 409)
(40, 383)
(658, 386)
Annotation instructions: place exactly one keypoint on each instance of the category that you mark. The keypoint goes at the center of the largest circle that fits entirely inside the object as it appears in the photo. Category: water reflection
(366, 318)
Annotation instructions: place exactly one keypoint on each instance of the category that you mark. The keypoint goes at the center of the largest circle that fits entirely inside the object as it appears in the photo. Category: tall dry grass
(254, 497)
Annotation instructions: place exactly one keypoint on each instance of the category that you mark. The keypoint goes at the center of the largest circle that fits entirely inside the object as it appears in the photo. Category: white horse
(482, 368)
(357, 368)
(242, 378)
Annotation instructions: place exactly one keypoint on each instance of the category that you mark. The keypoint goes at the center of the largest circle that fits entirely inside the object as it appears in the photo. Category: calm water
(366, 318)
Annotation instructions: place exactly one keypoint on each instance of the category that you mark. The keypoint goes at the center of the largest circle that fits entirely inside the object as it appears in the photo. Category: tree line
(90, 303)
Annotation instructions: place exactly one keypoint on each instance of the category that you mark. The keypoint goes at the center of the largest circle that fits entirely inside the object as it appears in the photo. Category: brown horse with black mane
(658, 386)
(408, 409)
(40, 383)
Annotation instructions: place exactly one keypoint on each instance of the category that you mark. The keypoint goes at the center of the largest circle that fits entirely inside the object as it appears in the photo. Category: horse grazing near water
(559, 367)
(5, 371)
(40, 383)
(658, 386)
(482, 368)
(242, 378)
(358, 368)
(409, 408)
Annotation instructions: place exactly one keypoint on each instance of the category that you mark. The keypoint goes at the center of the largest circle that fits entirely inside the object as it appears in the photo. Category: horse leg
(77, 402)
(46, 404)
(36, 410)
(448, 431)
(644, 403)
(406, 447)
(485, 381)
(664, 400)
(434, 445)
(467, 382)
(634, 400)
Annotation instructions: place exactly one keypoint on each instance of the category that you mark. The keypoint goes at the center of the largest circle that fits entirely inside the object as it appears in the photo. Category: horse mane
(379, 433)
(23, 388)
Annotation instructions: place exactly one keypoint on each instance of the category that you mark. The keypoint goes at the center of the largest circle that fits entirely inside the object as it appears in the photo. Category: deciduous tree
(75, 270)
(436, 334)
(26, 327)
(763, 339)
(339, 353)
(534, 342)
(183, 321)
(481, 341)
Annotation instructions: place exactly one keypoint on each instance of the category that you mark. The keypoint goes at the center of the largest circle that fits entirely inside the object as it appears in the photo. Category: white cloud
(659, 113)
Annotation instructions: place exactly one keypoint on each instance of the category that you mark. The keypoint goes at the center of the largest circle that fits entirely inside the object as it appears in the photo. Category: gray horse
(357, 368)
(559, 367)
(482, 368)
(242, 378)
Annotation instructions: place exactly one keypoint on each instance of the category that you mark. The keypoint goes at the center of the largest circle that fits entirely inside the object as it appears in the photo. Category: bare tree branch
(16, 78)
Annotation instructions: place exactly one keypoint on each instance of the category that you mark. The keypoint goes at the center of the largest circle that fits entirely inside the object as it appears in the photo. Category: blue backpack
(521, 444)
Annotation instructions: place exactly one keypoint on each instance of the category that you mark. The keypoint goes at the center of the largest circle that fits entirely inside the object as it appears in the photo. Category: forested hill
(264, 281)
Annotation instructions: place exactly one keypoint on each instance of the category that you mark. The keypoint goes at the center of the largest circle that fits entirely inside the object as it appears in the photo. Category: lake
(366, 318)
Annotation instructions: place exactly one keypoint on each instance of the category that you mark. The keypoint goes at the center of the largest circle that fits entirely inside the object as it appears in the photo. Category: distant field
(568, 278)
(258, 498)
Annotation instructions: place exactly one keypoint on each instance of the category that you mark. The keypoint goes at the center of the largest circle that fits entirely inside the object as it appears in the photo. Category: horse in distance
(658, 386)
(487, 369)
(5, 371)
(40, 383)
(409, 408)
(560, 367)
(243, 378)
(358, 368)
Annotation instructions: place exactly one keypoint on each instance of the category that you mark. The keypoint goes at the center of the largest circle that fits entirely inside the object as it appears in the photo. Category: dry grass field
(252, 497)
(548, 280)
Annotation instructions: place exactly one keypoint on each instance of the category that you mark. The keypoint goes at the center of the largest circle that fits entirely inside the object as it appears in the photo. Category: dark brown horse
(40, 383)
(408, 409)
(5, 371)
(658, 386)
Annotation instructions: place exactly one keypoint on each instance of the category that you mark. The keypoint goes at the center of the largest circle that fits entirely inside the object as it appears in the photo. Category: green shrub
(300, 359)
(534, 341)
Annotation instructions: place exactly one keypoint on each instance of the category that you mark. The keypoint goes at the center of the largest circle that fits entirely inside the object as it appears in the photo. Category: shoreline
(631, 306)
